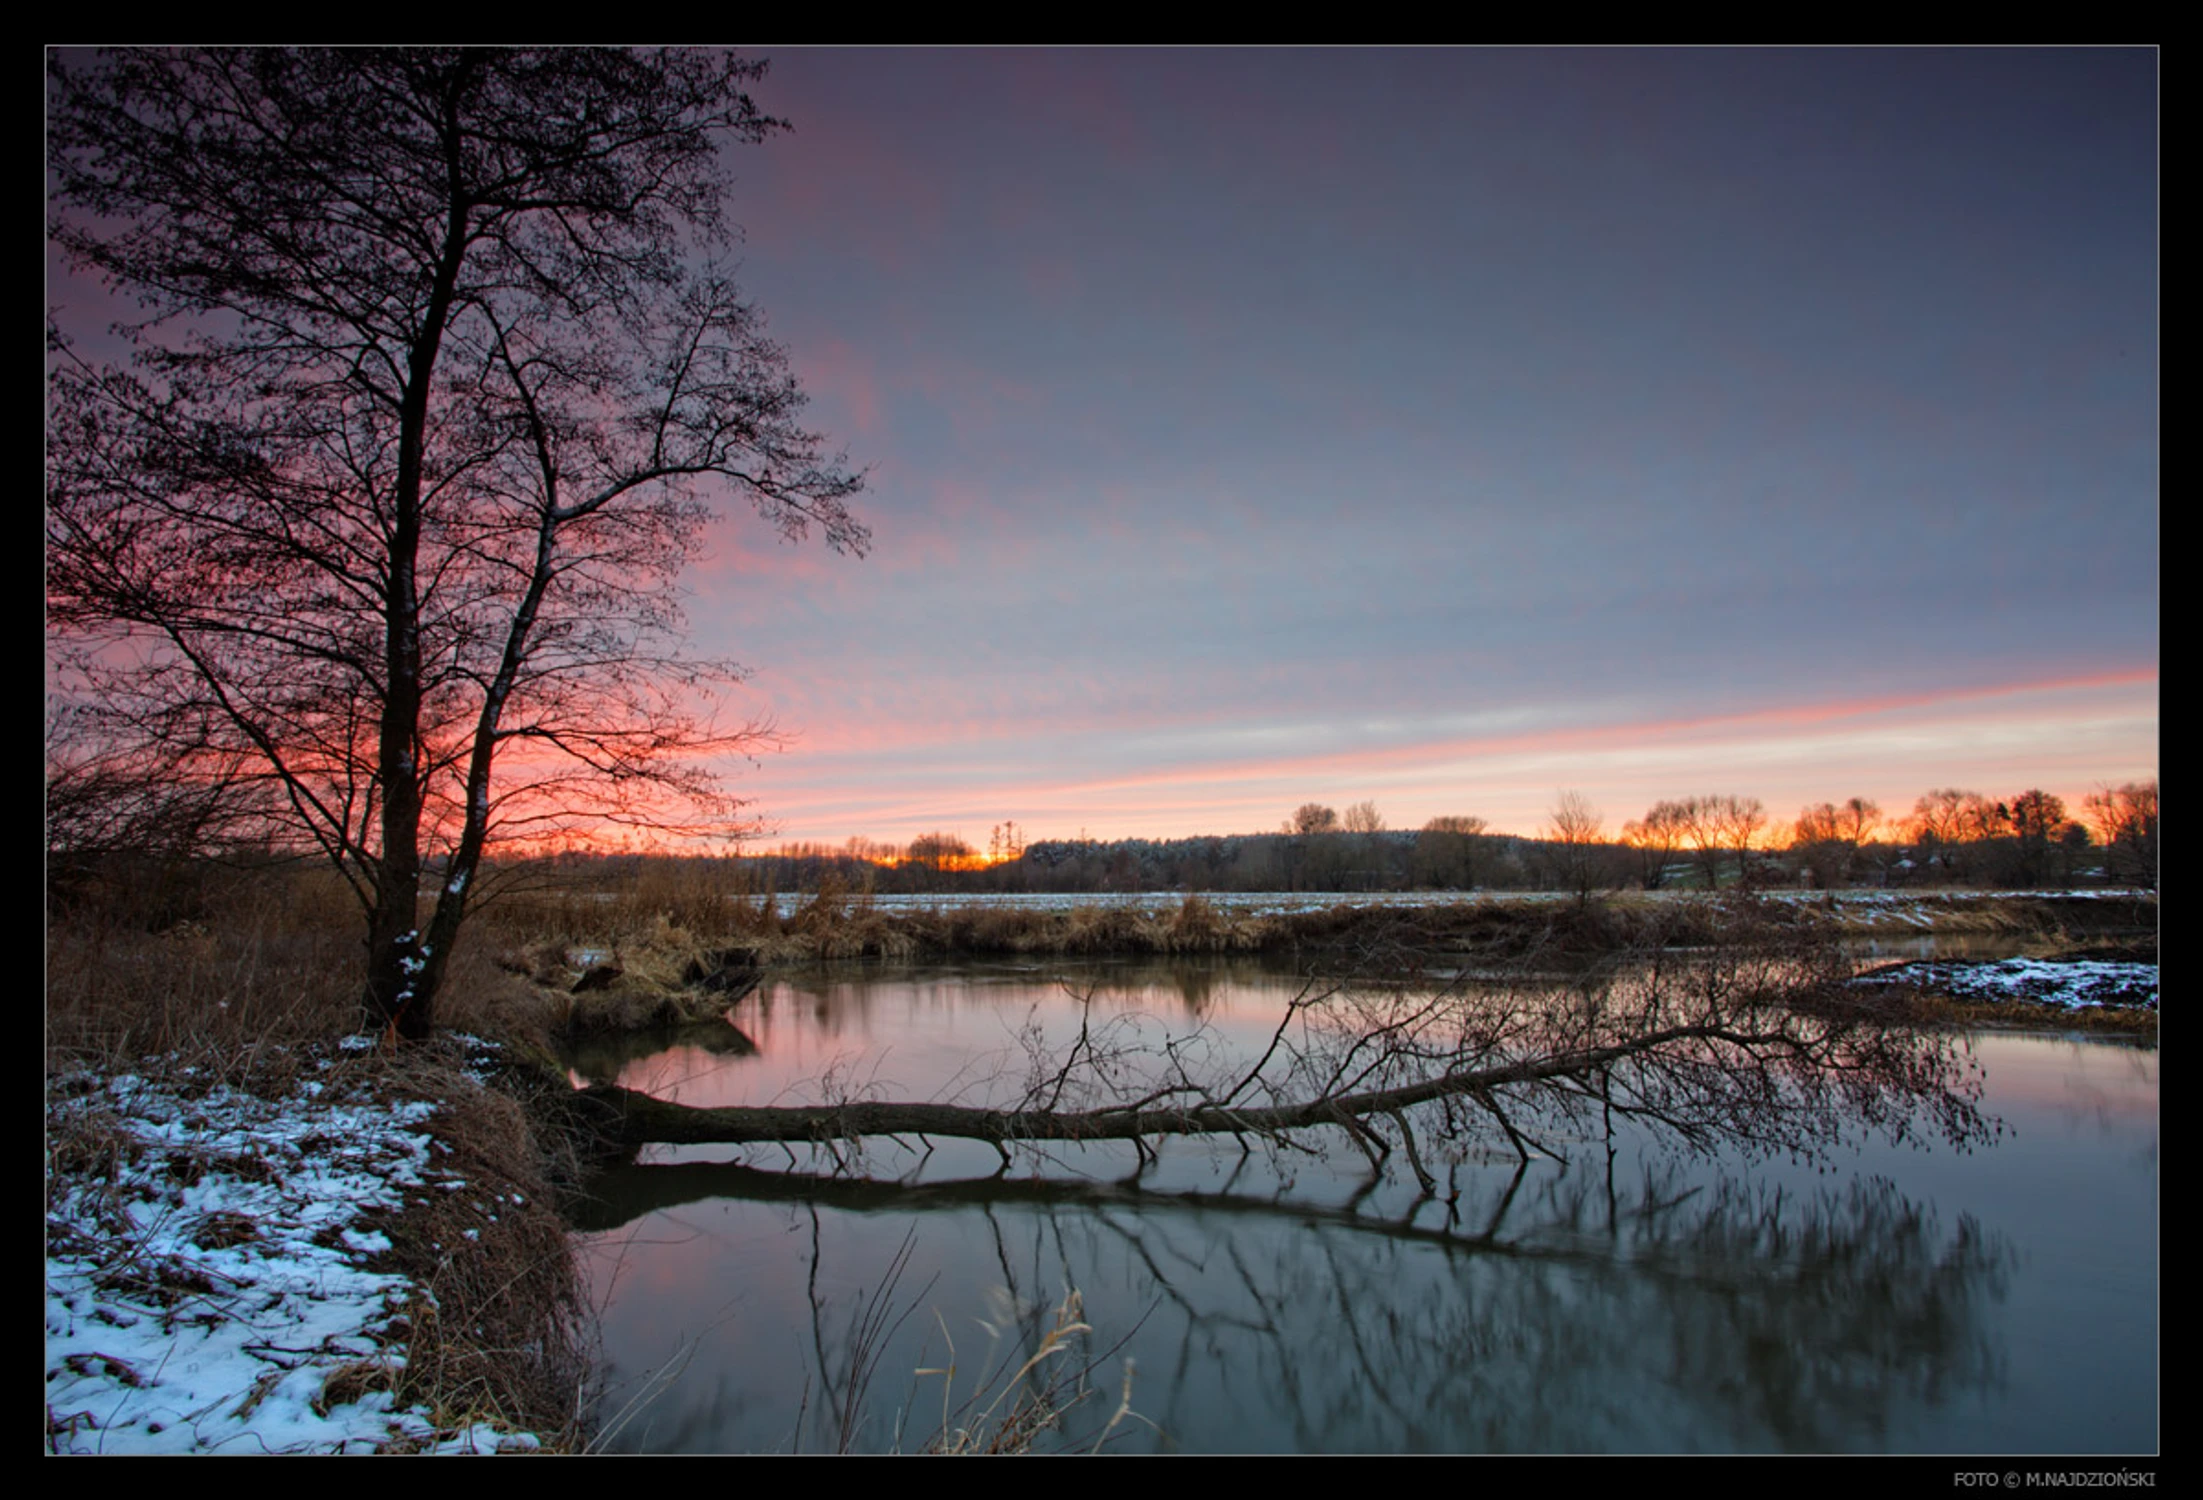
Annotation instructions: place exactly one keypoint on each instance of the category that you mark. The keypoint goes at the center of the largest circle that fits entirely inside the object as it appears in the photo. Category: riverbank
(262, 1238)
(639, 964)
(316, 1250)
(837, 924)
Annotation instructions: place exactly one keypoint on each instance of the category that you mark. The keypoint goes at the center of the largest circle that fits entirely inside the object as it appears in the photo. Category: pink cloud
(834, 372)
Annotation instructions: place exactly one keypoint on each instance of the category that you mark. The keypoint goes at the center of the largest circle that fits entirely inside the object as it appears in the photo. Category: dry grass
(1190, 925)
(1010, 1407)
(585, 904)
(2052, 918)
(1032, 1401)
(497, 1334)
(263, 961)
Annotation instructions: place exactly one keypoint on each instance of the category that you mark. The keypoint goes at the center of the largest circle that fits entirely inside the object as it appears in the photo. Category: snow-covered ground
(1249, 903)
(2073, 985)
(207, 1288)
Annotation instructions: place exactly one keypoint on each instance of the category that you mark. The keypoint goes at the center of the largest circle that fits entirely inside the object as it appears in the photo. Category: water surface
(1888, 1300)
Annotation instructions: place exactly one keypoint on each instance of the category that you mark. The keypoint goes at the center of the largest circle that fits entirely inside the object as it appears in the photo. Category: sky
(1448, 429)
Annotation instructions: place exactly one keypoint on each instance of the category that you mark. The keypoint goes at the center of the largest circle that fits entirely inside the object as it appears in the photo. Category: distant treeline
(1953, 837)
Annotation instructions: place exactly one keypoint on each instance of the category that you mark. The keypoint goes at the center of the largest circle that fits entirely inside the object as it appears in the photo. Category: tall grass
(221, 965)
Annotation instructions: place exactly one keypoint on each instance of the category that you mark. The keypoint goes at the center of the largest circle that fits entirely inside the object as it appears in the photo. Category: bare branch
(1750, 1046)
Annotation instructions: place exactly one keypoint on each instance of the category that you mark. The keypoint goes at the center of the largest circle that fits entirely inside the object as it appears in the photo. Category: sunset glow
(2066, 737)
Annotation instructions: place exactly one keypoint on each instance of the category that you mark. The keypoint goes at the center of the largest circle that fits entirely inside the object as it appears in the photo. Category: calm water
(1891, 1301)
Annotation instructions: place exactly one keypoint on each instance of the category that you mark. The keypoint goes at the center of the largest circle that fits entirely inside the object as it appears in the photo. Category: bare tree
(1857, 820)
(1981, 820)
(1445, 851)
(1577, 830)
(1938, 817)
(105, 799)
(1828, 837)
(1656, 837)
(1370, 853)
(1363, 817)
(440, 376)
(1942, 823)
(1718, 825)
(1310, 854)
(939, 851)
(1701, 824)
(2126, 825)
(1740, 822)
(1750, 1045)
(2035, 818)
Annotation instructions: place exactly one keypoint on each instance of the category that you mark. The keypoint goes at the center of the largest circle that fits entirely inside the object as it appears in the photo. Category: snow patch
(208, 1281)
(2083, 984)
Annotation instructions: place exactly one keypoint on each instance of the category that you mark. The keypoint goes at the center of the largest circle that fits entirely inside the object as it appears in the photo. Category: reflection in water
(1622, 1302)
(603, 1059)
(1550, 1311)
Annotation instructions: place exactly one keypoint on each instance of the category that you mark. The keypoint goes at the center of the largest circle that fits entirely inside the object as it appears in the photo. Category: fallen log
(1741, 1072)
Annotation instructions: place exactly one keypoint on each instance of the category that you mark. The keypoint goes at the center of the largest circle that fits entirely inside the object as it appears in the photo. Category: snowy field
(207, 1288)
(1898, 908)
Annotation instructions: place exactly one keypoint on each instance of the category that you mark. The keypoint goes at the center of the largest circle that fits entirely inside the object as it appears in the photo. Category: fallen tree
(1752, 1045)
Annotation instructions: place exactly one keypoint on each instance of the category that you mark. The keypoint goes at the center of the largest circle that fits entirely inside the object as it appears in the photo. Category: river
(1887, 1300)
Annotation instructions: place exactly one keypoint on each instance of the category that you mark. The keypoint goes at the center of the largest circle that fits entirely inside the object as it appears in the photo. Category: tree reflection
(1652, 1308)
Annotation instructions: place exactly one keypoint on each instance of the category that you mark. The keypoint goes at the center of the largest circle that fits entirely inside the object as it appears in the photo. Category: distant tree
(1816, 844)
(1857, 820)
(1655, 838)
(1701, 825)
(1576, 831)
(939, 852)
(2126, 825)
(1312, 817)
(2069, 851)
(1943, 822)
(439, 372)
(1369, 857)
(1004, 843)
(1310, 857)
(1716, 826)
(1740, 822)
(1445, 852)
(1827, 838)
(2035, 814)
(2035, 818)
(1938, 817)
(1981, 820)
(868, 851)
